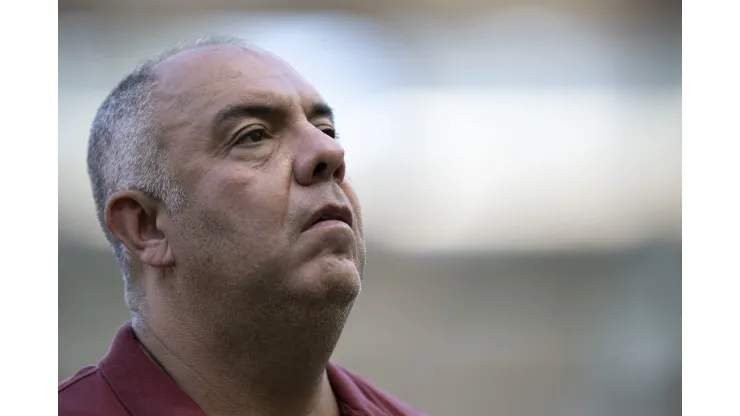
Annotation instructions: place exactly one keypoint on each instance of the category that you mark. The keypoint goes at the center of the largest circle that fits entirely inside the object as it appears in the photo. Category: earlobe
(131, 216)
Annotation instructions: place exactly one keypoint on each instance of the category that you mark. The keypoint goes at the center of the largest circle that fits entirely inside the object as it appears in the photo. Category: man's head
(212, 169)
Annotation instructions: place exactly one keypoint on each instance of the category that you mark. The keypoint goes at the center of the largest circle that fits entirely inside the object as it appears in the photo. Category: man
(221, 187)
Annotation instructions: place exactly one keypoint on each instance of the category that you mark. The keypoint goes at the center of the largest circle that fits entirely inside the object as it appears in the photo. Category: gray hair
(125, 150)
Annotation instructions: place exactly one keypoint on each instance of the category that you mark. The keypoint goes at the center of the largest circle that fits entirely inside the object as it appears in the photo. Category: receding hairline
(203, 45)
(211, 53)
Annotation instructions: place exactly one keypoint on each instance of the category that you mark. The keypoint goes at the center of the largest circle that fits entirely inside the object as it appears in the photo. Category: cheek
(245, 198)
(354, 200)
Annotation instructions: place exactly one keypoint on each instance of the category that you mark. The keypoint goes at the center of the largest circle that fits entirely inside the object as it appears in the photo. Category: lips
(330, 212)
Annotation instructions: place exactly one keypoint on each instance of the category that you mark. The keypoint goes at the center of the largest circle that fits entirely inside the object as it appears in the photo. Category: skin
(242, 305)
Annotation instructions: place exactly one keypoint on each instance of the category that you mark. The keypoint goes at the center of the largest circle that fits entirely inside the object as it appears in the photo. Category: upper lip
(330, 212)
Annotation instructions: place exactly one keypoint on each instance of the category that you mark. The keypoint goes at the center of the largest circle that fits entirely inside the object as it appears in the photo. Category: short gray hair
(125, 151)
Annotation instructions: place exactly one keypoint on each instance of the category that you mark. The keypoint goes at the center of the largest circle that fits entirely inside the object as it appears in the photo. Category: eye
(252, 136)
(329, 132)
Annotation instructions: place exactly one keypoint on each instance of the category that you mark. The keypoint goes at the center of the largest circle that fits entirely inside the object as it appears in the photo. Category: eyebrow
(319, 110)
(316, 110)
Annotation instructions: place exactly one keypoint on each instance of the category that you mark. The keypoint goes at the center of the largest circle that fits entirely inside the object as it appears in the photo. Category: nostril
(320, 169)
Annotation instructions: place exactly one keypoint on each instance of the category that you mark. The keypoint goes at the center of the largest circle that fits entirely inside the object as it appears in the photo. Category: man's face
(268, 211)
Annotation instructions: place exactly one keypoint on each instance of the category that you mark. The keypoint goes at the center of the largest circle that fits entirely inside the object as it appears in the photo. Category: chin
(328, 278)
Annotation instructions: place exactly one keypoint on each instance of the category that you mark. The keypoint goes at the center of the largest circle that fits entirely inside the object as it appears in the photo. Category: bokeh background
(519, 169)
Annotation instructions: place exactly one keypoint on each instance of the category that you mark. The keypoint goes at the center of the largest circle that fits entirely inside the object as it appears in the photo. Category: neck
(275, 365)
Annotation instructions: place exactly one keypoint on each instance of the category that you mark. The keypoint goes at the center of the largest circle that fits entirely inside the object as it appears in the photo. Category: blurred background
(519, 169)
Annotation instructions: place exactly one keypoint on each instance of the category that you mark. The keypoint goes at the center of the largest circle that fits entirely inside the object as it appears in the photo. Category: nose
(319, 158)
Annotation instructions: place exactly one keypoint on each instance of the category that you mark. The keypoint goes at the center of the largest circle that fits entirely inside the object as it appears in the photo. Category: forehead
(202, 81)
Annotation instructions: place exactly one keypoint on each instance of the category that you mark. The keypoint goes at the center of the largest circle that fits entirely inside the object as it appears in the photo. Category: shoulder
(88, 393)
(358, 393)
(79, 377)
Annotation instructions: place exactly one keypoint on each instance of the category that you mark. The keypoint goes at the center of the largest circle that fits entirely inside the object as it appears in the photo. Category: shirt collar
(143, 388)
(146, 390)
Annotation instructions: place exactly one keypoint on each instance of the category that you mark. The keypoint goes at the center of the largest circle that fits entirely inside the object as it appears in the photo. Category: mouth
(330, 213)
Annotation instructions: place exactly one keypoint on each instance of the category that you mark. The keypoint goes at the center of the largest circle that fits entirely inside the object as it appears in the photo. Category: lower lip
(329, 224)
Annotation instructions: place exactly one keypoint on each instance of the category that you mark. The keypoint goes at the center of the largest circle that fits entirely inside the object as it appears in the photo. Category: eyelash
(331, 133)
(242, 137)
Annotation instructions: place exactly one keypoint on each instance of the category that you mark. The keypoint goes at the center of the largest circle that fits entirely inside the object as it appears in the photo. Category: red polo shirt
(127, 383)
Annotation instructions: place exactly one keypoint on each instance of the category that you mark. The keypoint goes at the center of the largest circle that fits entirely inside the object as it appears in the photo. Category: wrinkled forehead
(202, 81)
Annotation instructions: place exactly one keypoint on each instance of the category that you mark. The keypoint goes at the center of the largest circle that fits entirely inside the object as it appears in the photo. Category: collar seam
(115, 391)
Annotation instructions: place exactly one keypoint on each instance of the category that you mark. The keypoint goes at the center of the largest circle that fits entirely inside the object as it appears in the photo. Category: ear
(135, 219)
